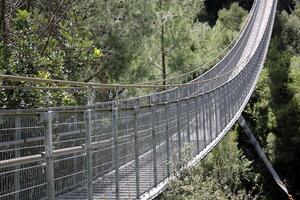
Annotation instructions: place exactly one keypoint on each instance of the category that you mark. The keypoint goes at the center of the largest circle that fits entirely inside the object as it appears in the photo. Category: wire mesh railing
(126, 149)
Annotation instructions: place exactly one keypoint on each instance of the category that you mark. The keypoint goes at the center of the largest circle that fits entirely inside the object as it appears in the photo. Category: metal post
(230, 101)
(197, 125)
(49, 156)
(75, 167)
(242, 87)
(224, 108)
(235, 96)
(238, 92)
(228, 94)
(154, 143)
(88, 144)
(91, 96)
(188, 120)
(138, 102)
(220, 109)
(210, 117)
(224, 96)
(178, 129)
(203, 122)
(182, 92)
(17, 137)
(245, 84)
(216, 112)
(188, 91)
(137, 153)
(238, 87)
(158, 97)
(116, 149)
(167, 138)
(89, 154)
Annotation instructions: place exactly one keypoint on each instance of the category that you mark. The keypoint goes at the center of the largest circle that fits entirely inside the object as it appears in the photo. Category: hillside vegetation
(233, 170)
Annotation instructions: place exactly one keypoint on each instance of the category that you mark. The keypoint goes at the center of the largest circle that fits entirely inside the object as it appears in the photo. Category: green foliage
(21, 19)
(294, 86)
(232, 18)
(213, 7)
(223, 174)
(109, 42)
(290, 32)
(278, 69)
(22, 15)
(207, 42)
(57, 51)
(124, 28)
(276, 101)
(97, 53)
(131, 35)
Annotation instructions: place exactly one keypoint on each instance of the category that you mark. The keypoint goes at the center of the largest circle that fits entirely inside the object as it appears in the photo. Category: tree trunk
(3, 31)
(163, 53)
(2, 17)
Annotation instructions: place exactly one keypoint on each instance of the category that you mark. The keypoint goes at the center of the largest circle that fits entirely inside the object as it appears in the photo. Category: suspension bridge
(131, 149)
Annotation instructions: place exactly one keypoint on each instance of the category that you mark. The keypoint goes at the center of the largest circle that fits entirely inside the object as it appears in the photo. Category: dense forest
(140, 41)
(107, 42)
(234, 170)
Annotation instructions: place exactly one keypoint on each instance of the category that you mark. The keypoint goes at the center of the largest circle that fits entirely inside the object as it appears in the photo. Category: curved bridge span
(132, 148)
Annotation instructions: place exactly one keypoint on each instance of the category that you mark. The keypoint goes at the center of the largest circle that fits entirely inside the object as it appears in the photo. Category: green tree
(45, 45)
(224, 174)
(274, 110)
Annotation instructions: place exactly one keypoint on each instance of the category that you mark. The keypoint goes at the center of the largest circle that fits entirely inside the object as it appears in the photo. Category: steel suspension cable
(101, 85)
(263, 156)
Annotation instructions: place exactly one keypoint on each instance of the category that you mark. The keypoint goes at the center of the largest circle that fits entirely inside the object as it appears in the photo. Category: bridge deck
(104, 187)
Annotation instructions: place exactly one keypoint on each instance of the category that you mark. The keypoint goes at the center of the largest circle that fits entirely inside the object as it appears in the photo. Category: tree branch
(56, 21)
(155, 64)
(51, 20)
(92, 76)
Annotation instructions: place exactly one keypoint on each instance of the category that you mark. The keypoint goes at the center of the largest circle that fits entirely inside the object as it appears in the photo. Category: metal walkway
(132, 148)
